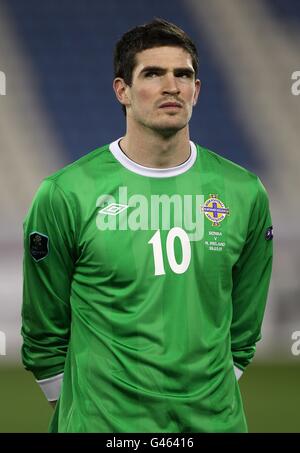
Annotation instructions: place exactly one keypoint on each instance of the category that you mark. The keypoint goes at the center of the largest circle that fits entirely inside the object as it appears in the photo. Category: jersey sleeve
(49, 257)
(251, 278)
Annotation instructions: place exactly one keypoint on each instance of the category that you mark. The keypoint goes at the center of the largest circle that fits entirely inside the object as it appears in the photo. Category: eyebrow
(160, 69)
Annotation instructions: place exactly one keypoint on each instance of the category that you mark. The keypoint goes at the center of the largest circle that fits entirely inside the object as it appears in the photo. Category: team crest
(214, 210)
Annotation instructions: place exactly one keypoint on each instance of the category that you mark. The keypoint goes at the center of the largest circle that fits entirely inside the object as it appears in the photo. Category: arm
(251, 278)
(47, 270)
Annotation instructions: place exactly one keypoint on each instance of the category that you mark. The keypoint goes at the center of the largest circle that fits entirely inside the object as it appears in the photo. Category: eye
(151, 74)
(184, 75)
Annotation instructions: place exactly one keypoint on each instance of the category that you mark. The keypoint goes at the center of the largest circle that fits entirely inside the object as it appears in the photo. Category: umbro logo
(113, 209)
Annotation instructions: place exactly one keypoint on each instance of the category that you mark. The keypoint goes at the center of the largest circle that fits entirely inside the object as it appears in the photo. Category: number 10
(178, 268)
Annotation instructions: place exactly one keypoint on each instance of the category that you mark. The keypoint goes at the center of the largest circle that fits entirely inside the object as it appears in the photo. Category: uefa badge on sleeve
(39, 246)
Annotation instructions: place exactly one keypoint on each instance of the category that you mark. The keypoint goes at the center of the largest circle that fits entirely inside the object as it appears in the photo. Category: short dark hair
(157, 33)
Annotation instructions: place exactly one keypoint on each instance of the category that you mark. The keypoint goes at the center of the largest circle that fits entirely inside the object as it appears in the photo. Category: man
(147, 264)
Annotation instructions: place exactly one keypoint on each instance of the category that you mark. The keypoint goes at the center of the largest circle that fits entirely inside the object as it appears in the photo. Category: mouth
(170, 105)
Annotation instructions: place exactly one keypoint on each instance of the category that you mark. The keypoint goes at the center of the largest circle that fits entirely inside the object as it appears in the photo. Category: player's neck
(154, 151)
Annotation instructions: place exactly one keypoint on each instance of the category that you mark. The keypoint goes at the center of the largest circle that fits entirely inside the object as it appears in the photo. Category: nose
(170, 85)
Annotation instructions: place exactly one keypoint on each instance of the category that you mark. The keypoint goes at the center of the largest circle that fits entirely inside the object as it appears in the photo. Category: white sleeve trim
(51, 386)
(238, 373)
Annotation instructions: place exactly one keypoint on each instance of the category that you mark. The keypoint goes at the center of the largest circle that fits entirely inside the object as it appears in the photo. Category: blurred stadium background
(58, 105)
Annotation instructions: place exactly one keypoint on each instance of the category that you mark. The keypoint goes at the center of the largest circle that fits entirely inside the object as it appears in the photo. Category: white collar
(149, 171)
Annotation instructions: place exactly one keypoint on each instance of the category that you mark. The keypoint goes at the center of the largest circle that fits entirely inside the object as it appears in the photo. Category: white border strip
(51, 387)
(238, 373)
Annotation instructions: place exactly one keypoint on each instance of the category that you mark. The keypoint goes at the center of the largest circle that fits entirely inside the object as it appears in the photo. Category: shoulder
(64, 185)
(79, 174)
(234, 175)
(81, 169)
(228, 167)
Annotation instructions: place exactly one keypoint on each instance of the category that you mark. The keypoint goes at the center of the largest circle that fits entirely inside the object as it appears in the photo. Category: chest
(148, 232)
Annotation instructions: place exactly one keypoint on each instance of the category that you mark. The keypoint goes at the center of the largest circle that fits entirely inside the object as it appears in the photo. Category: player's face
(163, 90)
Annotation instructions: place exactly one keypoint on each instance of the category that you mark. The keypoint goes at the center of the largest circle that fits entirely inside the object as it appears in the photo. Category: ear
(197, 91)
(121, 90)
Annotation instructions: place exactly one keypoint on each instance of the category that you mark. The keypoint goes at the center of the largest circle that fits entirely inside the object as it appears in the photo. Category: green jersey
(146, 288)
